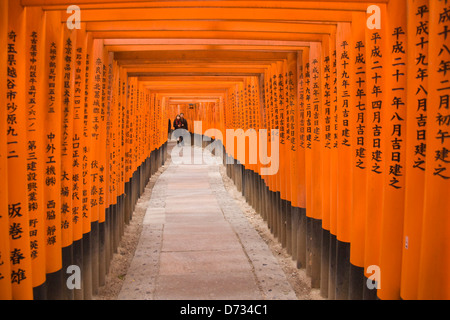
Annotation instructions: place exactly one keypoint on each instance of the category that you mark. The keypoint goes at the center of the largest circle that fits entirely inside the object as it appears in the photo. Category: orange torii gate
(361, 112)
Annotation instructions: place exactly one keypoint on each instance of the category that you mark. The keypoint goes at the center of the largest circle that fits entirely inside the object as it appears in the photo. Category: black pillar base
(67, 260)
(332, 268)
(357, 283)
(40, 292)
(342, 270)
(369, 294)
(325, 264)
(86, 272)
(55, 285)
(295, 220)
(78, 261)
(301, 240)
(316, 252)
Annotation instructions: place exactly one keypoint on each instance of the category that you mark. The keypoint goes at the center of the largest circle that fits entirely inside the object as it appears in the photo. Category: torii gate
(360, 99)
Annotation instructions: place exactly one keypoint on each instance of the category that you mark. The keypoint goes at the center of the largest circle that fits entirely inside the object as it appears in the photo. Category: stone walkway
(196, 244)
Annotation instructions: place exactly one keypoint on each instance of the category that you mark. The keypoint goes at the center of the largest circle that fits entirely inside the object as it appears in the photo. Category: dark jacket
(178, 124)
(185, 124)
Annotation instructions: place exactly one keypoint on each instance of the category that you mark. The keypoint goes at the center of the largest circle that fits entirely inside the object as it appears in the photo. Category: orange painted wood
(302, 4)
(377, 104)
(415, 149)
(435, 253)
(281, 126)
(67, 133)
(308, 129)
(18, 256)
(53, 136)
(326, 130)
(301, 128)
(315, 61)
(294, 128)
(391, 246)
(36, 98)
(344, 132)
(334, 140)
(78, 139)
(126, 14)
(360, 121)
(5, 268)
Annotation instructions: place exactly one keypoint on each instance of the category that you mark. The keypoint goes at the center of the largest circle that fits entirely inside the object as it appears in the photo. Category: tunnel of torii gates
(359, 94)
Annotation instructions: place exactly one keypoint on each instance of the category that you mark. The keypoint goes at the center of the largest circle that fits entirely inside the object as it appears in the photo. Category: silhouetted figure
(178, 124)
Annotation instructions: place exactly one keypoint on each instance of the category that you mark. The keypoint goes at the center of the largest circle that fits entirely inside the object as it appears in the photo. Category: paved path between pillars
(196, 244)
